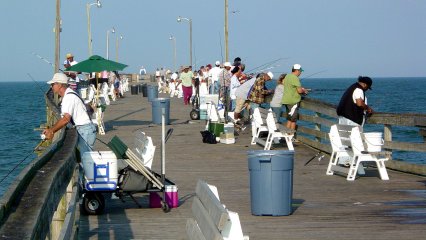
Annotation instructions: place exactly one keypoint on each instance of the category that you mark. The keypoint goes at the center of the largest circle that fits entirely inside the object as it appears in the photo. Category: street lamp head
(98, 3)
(179, 19)
(121, 36)
(171, 37)
(113, 30)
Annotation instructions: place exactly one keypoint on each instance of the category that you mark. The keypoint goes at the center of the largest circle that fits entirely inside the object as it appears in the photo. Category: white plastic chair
(274, 133)
(340, 141)
(360, 154)
(257, 126)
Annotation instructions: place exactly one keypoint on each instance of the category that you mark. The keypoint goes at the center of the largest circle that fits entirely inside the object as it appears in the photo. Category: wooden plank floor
(325, 207)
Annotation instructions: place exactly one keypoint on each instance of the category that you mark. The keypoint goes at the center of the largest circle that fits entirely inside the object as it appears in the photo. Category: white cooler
(100, 170)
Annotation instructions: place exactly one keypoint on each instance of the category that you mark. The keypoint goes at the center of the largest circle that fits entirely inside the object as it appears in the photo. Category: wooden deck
(325, 207)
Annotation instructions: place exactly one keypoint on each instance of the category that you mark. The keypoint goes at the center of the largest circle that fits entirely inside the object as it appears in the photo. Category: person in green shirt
(292, 95)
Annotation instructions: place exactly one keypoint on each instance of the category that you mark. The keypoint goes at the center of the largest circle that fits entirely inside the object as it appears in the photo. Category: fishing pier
(323, 207)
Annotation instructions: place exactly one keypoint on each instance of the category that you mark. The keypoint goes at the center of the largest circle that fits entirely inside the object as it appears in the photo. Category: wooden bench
(212, 221)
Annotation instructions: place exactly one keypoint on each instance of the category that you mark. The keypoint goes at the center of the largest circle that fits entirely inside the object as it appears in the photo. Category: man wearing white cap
(73, 110)
(292, 95)
(214, 77)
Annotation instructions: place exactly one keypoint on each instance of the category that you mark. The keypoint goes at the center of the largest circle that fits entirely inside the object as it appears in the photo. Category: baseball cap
(227, 64)
(217, 63)
(69, 55)
(59, 78)
(366, 80)
(270, 74)
(297, 67)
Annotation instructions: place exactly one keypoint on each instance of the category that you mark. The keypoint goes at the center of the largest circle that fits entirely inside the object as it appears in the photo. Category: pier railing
(43, 197)
(319, 116)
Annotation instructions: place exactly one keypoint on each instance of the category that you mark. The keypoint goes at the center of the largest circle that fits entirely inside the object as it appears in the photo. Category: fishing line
(313, 74)
(47, 61)
(13, 169)
(265, 64)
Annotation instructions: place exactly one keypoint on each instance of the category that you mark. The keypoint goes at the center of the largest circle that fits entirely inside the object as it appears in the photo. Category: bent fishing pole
(265, 64)
(46, 61)
(13, 169)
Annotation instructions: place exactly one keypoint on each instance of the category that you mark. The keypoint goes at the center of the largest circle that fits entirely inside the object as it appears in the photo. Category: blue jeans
(278, 112)
(214, 88)
(86, 138)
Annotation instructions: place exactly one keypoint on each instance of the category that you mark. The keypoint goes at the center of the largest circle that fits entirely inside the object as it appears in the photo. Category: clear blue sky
(379, 38)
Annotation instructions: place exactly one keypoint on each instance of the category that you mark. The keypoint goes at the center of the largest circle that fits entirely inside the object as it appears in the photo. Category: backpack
(208, 137)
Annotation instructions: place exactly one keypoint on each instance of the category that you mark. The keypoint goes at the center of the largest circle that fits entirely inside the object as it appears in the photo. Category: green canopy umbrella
(96, 64)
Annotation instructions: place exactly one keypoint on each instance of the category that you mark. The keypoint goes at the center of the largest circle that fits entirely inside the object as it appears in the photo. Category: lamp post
(174, 51)
(116, 47)
(107, 41)
(89, 33)
(226, 32)
(179, 19)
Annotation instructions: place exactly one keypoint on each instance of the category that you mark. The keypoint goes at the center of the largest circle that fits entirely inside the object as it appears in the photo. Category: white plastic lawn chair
(360, 154)
(274, 133)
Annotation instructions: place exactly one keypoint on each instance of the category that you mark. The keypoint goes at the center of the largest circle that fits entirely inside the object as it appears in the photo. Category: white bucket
(374, 141)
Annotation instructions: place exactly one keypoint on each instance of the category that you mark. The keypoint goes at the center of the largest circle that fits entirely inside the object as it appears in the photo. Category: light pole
(179, 19)
(226, 32)
(174, 51)
(89, 33)
(107, 41)
(116, 47)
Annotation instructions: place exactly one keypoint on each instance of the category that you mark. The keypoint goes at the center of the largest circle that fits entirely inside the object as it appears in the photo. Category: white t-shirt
(214, 73)
(174, 76)
(73, 105)
(235, 83)
(77, 79)
(357, 94)
(278, 95)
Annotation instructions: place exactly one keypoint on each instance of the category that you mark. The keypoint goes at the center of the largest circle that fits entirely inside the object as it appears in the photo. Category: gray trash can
(152, 92)
(271, 182)
(144, 90)
(157, 105)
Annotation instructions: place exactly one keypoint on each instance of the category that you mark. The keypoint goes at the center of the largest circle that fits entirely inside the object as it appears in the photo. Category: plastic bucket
(157, 110)
(271, 182)
(152, 92)
(374, 141)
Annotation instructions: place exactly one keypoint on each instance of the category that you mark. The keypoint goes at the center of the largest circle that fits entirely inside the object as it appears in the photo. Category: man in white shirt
(353, 107)
(214, 78)
(68, 63)
(73, 110)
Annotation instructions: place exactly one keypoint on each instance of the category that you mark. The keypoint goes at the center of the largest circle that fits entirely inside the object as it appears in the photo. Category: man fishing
(353, 107)
(292, 95)
(73, 110)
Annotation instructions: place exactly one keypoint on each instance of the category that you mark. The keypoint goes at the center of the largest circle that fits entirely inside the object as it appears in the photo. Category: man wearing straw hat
(73, 110)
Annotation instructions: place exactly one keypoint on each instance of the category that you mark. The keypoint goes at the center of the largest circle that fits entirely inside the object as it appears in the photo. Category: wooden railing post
(387, 136)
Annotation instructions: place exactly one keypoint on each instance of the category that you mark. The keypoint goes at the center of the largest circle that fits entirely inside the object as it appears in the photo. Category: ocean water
(22, 109)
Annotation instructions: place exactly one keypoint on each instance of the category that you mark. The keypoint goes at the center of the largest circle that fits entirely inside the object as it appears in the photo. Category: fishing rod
(47, 61)
(313, 74)
(38, 85)
(265, 64)
(316, 155)
(13, 169)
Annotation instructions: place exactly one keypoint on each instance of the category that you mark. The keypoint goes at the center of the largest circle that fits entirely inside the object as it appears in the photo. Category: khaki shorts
(240, 104)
